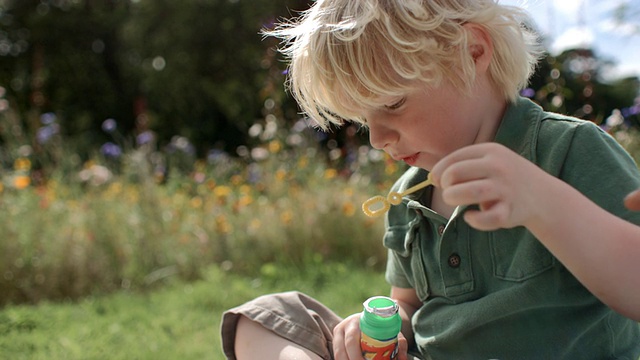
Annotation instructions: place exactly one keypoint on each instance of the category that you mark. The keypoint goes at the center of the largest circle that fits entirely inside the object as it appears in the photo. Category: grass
(178, 321)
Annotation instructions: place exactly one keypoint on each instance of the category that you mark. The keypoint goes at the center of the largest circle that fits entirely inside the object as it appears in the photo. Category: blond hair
(345, 54)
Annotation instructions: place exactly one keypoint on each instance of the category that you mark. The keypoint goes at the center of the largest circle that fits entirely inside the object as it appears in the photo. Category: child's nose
(381, 136)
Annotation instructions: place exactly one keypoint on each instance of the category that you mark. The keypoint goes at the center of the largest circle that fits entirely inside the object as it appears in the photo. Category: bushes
(120, 224)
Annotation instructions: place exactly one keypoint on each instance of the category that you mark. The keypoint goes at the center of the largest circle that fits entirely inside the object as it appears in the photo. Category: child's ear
(480, 46)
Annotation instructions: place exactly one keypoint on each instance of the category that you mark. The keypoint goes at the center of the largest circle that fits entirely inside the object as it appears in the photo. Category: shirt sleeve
(592, 161)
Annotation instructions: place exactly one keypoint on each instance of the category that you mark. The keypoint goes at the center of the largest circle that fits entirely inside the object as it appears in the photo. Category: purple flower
(144, 137)
(109, 125)
(528, 92)
(47, 118)
(111, 150)
(45, 133)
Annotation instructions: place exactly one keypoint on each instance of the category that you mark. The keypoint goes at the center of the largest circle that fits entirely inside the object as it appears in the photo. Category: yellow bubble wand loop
(394, 198)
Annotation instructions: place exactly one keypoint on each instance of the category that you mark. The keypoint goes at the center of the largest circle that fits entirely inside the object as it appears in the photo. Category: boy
(521, 250)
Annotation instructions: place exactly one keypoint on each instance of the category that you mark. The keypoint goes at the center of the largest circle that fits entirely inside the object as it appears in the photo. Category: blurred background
(148, 150)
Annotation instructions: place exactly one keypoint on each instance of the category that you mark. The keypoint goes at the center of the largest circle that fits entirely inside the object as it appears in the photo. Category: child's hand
(632, 201)
(346, 340)
(501, 182)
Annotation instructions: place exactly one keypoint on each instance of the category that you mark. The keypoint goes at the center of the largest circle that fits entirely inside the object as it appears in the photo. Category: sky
(570, 23)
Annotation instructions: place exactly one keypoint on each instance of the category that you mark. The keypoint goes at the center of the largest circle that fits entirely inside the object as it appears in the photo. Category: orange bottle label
(373, 349)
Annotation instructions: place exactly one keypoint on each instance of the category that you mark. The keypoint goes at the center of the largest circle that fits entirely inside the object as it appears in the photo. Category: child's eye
(396, 105)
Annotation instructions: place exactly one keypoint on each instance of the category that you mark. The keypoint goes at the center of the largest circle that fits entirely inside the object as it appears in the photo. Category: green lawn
(178, 321)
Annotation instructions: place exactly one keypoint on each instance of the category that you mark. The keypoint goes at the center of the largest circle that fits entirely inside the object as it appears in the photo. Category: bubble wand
(394, 198)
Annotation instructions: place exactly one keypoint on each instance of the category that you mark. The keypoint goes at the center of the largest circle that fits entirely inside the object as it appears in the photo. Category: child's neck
(494, 113)
(438, 205)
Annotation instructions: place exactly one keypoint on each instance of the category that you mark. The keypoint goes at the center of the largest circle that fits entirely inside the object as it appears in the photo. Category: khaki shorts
(292, 315)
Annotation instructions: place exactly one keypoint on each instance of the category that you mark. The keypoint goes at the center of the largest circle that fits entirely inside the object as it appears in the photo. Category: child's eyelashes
(397, 104)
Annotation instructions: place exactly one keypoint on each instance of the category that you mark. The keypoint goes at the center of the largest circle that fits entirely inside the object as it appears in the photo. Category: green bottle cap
(380, 318)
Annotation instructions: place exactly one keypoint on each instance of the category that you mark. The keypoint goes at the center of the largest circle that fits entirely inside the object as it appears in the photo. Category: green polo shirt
(501, 294)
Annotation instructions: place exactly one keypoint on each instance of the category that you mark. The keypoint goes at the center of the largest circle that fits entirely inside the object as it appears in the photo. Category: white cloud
(575, 37)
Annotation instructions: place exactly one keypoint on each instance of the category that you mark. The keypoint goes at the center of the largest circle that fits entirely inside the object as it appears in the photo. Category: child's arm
(409, 303)
(600, 249)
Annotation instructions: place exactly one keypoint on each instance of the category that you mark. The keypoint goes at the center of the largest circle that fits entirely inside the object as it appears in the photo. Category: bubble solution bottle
(380, 324)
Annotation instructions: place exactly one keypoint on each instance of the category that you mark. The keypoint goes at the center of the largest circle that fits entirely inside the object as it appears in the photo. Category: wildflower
(275, 146)
(48, 118)
(236, 180)
(217, 156)
(196, 202)
(115, 189)
(22, 164)
(21, 182)
(182, 144)
(528, 92)
(259, 154)
(303, 162)
(109, 125)
(221, 191)
(348, 191)
(145, 137)
(1, 187)
(211, 184)
(390, 168)
(111, 150)
(348, 209)
(44, 134)
(222, 225)
(281, 174)
(95, 175)
(330, 173)
(286, 217)
(245, 200)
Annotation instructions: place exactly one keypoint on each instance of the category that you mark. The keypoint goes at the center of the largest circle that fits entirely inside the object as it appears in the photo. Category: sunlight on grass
(180, 321)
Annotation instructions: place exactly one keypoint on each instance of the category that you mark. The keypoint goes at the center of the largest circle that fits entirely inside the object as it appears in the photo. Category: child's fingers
(632, 200)
(454, 159)
(493, 216)
(472, 192)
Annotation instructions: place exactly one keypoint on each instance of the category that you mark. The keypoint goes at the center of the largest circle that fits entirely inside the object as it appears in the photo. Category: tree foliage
(199, 69)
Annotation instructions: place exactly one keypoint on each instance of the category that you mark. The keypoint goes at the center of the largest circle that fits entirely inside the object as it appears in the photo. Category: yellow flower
(245, 200)
(286, 217)
(222, 225)
(22, 164)
(348, 209)
(222, 191)
(236, 180)
(196, 202)
(281, 174)
(330, 173)
(211, 184)
(21, 181)
(275, 146)
(1, 187)
(303, 162)
(115, 189)
(391, 168)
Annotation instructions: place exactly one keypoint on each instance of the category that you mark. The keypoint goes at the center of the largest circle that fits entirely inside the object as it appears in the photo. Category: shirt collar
(519, 127)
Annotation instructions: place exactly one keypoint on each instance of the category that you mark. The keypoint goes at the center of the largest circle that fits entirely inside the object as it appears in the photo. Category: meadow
(134, 253)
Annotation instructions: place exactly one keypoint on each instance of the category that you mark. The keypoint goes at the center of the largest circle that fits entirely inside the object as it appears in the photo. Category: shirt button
(441, 230)
(454, 260)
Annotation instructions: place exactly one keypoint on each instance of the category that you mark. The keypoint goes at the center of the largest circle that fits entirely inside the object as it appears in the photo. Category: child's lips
(410, 160)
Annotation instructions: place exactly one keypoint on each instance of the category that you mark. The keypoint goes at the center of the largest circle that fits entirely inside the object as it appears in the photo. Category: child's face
(427, 124)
